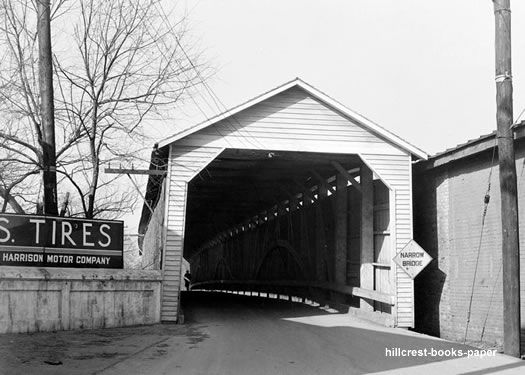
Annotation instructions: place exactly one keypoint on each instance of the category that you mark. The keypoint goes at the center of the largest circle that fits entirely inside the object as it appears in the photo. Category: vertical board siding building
(289, 191)
(459, 295)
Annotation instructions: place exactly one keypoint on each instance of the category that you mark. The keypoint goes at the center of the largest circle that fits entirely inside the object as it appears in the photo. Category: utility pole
(507, 177)
(47, 110)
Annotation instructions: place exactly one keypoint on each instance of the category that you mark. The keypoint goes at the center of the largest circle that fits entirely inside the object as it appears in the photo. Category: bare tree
(21, 133)
(12, 178)
(123, 66)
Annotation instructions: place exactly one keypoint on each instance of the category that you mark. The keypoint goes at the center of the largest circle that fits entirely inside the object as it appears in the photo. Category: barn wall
(448, 216)
(289, 121)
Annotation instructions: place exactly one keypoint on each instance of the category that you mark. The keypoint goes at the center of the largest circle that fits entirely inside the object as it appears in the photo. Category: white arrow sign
(412, 259)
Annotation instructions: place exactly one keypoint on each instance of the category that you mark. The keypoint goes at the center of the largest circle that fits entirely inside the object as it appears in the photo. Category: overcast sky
(422, 69)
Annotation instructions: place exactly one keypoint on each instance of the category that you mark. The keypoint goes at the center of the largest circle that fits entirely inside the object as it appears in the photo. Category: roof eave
(363, 121)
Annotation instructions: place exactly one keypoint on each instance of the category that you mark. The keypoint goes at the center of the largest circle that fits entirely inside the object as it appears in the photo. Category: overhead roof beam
(306, 192)
(323, 181)
(347, 175)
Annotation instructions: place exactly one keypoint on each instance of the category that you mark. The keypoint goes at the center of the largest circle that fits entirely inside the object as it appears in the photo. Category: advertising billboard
(49, 241)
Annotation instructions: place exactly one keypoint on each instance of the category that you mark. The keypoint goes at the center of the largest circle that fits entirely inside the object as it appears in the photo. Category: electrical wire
(179, 64)
(500, 266)
(486, 201)
(490, 303)
(211, 93)
(518, 118)
(217, 100)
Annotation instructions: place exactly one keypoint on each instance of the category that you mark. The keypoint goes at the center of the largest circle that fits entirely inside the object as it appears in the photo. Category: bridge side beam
(341, 229)
(367, 235)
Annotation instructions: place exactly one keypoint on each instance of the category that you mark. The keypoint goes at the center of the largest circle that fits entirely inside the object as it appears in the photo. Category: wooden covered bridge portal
(290, 193)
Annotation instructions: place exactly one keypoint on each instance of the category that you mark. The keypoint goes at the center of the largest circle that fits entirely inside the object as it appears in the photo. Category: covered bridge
(289, 193)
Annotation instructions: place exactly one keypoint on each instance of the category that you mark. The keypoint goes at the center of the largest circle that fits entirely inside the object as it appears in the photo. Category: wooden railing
(343, 289)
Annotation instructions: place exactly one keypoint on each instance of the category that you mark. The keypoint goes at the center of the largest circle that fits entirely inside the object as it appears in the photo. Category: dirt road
(230, 334)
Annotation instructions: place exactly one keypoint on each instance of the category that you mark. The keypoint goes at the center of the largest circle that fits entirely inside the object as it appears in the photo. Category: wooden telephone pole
(507, 177)
(47, 109)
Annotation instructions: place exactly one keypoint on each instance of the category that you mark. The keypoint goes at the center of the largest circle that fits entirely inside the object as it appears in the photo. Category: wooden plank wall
(382, 244)
(183, 164)
(295, 121)
(397, 172)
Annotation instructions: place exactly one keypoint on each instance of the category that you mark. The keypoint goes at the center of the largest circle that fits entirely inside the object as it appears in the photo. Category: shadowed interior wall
(300, 245)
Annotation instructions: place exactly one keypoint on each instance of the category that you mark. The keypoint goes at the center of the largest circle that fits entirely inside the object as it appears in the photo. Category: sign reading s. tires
(49, 241)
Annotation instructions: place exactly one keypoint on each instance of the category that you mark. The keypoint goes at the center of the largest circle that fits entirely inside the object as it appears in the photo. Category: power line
(490, 303)
(181, 67)
(486, 201)
(215, 98)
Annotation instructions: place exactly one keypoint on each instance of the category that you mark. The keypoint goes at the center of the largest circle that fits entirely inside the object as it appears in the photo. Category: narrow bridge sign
(412, 259)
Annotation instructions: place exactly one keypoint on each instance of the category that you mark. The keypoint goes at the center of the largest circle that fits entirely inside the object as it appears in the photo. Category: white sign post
(412, 259)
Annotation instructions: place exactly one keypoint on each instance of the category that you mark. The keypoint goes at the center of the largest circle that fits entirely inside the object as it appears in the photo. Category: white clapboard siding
(292, 120)
(184, 163)
(396, 171)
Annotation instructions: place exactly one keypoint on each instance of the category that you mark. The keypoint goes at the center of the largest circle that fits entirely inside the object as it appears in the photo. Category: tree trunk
(8, 198)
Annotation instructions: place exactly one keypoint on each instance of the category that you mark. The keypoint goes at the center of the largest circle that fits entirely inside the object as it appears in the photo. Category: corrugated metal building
(254, 162)
(459, 295)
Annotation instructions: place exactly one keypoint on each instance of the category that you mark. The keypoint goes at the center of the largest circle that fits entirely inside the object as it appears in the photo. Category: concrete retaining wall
(47, 299)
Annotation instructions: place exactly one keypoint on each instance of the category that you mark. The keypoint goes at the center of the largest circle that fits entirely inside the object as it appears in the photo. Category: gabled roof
(297, 82)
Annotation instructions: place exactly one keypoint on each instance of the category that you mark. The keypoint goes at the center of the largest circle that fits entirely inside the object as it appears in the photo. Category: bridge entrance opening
(303, 224)
(290, 191)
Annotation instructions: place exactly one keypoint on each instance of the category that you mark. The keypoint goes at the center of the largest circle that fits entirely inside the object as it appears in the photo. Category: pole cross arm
(151, 172)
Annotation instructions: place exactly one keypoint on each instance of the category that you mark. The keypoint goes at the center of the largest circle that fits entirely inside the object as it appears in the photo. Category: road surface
(231, 334)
